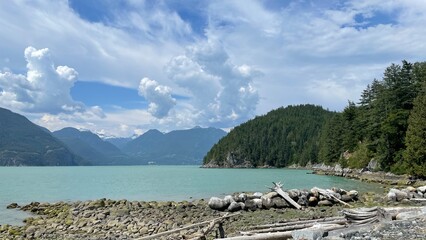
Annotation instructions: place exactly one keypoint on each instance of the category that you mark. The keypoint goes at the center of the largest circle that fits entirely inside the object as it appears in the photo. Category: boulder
(391, 196)
(250, 205)
(236, 206)
(338, 168)
(312, 233)
(373, 165)
(354, 194)
(258, 202)
(242, 197)
(228, 200)
(294, 194)
(216, 203)
(12, 206)
(257, 195)
(411, 189)
(279, 202)
(325, 203)
(267, 202)
(422, 189)
(312, 201)
(346, 198)
(270, 195)
(303, 200)
(399, 194)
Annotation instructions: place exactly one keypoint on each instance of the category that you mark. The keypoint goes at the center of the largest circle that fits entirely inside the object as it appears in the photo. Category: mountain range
(176, 147)
(23, 143)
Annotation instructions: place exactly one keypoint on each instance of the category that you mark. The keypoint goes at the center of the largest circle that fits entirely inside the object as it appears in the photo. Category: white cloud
(42, 89)
(159, 97)
(307, 51)
(222, 93)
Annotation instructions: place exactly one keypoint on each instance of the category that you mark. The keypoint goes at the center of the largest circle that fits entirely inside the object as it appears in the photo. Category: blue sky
(121, 67)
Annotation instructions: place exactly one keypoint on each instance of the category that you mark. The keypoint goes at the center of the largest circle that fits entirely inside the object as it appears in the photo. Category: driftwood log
(330, 195)
(285, 234)
(277, 188)
(289, 226)
(205, 231)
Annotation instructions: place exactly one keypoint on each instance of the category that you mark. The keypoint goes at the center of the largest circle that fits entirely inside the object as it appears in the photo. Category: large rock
(236, 206)
(391, 196)
(422, 189)
(242, 197)
(250, 205)
(270, 195)
(267, 202)
(325, 203)
(216, 203)
(312, 201)
(303, 200)
(346, 198)
(12, 205)
(353, 194)
(294, 194)
(373, 165)
(400, 195)
(280, 202)
(312, 233)
(228, 200)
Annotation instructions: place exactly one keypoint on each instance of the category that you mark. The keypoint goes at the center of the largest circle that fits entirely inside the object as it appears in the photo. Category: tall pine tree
(415, 153)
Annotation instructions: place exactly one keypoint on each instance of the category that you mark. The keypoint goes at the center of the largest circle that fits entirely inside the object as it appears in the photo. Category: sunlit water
(51, 184)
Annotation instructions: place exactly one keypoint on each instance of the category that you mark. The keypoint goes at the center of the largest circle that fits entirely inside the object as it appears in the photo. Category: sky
(122, 67)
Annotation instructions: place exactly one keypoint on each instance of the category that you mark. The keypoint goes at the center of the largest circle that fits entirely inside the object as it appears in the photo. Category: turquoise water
(51, 184)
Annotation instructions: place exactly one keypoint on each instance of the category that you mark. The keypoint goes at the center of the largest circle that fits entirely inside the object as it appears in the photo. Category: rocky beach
(122, 219)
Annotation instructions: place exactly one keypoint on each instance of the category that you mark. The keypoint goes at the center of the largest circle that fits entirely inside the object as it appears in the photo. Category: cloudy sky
(121, 67)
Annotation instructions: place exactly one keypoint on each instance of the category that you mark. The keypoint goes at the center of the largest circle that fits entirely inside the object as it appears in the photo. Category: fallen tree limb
(155, 236)
(330, 195)
(295, 226)
(283, 235)
(277, 188)
(300, 221)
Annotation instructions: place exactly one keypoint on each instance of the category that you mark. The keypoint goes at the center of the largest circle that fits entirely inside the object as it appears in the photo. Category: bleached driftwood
(366, 215)
(330, 195)
(298, 221)
(277, 188)
(294, 226)
(210, 222)
(283, 235)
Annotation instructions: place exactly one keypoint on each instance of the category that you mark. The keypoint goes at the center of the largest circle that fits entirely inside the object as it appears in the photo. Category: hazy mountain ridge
(91, 147)
(23, 143)
(177, 147)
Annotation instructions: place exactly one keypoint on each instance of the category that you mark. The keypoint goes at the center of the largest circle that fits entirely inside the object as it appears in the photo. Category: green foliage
(388, 124)
(282, 137)
(415, 153)
(360, 157)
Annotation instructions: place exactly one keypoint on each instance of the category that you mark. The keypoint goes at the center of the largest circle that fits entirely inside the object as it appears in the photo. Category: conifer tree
(415, 153)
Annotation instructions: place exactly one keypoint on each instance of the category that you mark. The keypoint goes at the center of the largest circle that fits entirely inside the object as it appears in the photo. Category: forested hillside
(283, 136)
(387, 125)
(22, 143)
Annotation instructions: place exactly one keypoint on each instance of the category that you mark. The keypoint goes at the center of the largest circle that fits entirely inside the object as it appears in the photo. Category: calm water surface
(51, 184)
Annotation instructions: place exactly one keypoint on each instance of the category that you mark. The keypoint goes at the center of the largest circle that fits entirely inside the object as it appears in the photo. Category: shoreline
(386, 179)
(123, 219)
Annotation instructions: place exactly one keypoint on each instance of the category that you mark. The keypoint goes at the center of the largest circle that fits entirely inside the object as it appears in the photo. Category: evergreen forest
(387, 125)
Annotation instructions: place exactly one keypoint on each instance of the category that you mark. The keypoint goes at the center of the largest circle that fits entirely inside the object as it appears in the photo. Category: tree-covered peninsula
(387, 125)
(282, 137)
